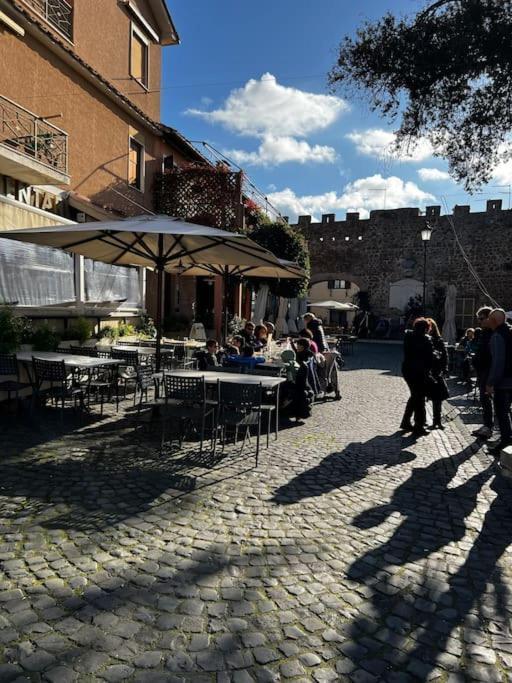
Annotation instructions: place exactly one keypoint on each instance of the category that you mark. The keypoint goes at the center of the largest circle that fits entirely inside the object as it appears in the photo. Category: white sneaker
(483, 432)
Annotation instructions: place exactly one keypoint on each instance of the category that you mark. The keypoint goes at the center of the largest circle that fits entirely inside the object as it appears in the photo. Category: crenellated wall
(387, 248)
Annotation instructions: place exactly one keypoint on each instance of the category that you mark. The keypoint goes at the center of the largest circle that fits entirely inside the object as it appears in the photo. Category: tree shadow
(418, 617)
(342, 469)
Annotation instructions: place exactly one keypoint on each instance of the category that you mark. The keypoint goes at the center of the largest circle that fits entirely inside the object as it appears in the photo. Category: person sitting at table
(260, 334)
(208, 359)
(307, 334)
(302, 395)
(248, 333)
(469, 344)
(271, 328)
(234, 346)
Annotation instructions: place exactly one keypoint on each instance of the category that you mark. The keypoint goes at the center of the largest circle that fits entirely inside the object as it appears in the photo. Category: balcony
(31, 149)
(58, 13)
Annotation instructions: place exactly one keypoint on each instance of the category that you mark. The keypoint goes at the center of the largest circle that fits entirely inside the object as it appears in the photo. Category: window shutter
(330, 284)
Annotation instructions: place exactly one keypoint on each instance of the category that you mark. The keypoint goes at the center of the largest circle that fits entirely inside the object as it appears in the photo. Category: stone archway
(320, 290)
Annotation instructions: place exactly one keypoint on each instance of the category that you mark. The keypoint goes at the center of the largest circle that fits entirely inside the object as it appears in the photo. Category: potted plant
(45, 338)
(108, 335)
(80, 329)
(15, 331)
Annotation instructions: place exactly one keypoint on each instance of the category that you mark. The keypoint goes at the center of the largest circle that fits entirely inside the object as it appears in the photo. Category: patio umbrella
(449, 327)
(280, 270)
(334, 305)
(155, 242)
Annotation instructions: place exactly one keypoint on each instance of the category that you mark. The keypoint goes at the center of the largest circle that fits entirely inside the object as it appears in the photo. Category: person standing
(416, 367)
(499, 380)
(439, 391)
(482, 363)
(314, 325)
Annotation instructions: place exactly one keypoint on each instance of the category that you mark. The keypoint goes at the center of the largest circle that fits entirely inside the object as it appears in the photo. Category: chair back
(49, 370)
(186, 389)
(67, 350)
(103, 352)
(8, 364)
(90, 351)
(241, 397)
(145, 377)
(130, 358)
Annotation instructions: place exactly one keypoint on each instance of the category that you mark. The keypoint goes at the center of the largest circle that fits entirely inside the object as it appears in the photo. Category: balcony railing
(58, 13)
(33, 137)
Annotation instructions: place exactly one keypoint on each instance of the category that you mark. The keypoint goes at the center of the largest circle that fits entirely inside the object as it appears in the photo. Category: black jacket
(317, 330)
(440, 357)
(482, 358)
(418, 355)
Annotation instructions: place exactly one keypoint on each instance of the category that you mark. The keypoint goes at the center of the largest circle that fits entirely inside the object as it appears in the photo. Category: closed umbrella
(260, 305)
(156, 242)
(449, 327)
(293, 314)
(281, 324)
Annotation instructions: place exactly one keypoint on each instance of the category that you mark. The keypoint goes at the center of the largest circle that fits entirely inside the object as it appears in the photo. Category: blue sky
(250, 78)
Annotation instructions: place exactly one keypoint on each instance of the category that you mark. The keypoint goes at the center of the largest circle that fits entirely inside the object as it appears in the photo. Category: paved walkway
(352, 553)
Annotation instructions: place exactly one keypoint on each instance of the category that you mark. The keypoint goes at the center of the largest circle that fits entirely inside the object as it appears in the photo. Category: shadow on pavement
(342, 469)
(425, 611)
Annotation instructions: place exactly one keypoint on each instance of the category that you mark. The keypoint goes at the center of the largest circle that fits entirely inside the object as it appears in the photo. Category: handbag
(436, 388)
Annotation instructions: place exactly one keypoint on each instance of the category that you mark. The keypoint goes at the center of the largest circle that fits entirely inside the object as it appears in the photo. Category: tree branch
(434, 7)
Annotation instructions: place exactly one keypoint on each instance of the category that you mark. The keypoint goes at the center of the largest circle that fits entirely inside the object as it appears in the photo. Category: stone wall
(386, 248)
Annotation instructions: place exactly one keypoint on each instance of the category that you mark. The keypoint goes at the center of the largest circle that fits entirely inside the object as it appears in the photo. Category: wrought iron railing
(32, 136)
(58, 13)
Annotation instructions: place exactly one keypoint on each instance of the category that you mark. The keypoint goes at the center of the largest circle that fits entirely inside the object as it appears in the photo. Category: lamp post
(426, 234)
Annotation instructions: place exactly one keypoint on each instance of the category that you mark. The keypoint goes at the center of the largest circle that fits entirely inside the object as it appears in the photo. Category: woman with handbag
(438, 389)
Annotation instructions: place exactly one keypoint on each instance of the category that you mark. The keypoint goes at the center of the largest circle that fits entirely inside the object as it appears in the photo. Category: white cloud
(433, 174)
(503, 173)
(279, 150)
(379, 143)
(362, 195)
(264, 107)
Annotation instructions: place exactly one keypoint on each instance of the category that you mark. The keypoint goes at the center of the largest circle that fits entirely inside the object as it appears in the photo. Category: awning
(15, 214)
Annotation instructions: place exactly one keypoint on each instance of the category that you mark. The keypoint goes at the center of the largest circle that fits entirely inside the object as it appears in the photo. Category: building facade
(80, 136)
(384, 257)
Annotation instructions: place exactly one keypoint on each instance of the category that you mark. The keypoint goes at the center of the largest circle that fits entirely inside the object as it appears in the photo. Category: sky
(250, 79)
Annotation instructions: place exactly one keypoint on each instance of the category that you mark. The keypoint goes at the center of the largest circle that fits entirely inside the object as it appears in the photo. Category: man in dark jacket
(482, 363)
(416, 367)
(208, 360)
(499, 380)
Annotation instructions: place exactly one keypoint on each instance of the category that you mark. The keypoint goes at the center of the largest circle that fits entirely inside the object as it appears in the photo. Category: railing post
(36, 140)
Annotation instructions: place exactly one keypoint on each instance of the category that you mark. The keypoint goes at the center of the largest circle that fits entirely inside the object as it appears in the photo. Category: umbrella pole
(159, 300)
(224, 304)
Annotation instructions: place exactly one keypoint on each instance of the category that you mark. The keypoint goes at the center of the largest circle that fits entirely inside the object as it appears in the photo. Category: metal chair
(103, 382)
(186, 402)
(9, 368)
(62, 382)
(240, 406)
(127, 373)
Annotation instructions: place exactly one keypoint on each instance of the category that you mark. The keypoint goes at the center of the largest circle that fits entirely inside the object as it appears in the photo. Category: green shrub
(45, 338)
(80, 329)
(147, 327)
(109, 332)
(14, 330)
(126, 329)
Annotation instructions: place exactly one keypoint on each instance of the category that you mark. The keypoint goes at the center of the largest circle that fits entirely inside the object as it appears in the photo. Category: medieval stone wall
(387, 248)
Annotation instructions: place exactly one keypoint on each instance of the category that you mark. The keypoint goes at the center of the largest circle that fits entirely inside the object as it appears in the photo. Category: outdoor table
(212, 377)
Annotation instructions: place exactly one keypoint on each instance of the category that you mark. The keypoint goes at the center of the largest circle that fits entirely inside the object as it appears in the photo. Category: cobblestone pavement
(352, 553)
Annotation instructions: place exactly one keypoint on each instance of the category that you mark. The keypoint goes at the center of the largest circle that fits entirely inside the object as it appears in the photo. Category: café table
(211, 377)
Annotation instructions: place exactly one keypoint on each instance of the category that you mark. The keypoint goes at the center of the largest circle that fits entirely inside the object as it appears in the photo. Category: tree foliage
(445, 74)
(285, 243)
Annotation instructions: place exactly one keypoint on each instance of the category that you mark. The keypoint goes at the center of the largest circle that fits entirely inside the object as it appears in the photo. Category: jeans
(502, 402)
(485, 402)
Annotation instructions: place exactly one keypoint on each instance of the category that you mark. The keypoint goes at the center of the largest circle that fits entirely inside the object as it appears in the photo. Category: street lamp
(426, 234)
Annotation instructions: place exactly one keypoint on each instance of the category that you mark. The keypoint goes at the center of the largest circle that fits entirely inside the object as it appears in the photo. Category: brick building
(383, 255)
(80, 136)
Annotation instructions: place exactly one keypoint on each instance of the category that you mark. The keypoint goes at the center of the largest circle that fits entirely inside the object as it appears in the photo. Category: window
(139, 57)
(136, 165)
(338, 284)
(465, 312)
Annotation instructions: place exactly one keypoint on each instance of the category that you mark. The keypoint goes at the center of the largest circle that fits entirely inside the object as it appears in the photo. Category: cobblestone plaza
(352, 553)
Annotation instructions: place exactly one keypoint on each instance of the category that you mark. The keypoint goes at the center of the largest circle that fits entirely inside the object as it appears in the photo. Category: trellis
(202, 194)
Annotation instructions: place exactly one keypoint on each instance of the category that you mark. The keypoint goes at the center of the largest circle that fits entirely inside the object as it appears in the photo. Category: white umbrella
(157, 242)
(293, 314)
(449, 327)
(260, 305)
(281, 324)
(334, 305)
